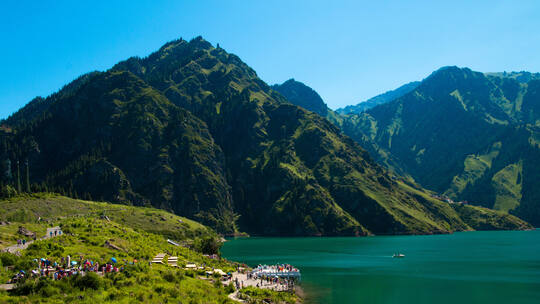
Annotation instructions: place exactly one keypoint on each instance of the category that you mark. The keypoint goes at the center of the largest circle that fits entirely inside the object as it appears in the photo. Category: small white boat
(398, 255)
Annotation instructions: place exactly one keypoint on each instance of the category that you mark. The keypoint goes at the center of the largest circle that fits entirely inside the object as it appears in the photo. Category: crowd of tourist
(274, 269)
(67, 267)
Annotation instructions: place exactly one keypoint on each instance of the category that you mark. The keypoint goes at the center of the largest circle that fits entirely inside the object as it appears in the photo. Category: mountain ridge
(489, 125)
(192, 129)
(379, 99)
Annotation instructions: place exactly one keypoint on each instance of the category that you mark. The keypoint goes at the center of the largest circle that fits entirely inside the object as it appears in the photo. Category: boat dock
(277, 271)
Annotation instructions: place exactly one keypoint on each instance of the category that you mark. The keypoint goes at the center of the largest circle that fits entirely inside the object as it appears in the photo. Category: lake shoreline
(248, 236)
(473, 267)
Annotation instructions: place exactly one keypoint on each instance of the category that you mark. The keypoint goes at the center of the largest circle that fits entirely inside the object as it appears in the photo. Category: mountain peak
(200, 42)
(302, 95)
(451, 77)
(451, 70)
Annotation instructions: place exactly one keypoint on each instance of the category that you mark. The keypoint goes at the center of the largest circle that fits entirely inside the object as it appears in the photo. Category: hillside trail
(51, 233)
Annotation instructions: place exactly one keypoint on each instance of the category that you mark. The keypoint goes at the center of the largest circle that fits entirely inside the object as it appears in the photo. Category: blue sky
(348, 51)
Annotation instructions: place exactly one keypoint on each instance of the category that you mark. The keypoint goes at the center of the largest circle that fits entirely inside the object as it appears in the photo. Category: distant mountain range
(192, 129)
(379, 99)
(468, 136)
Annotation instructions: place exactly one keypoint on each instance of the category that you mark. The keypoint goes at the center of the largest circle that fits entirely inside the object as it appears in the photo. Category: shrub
(25, 288)
(7, 191)
(24, 264)
(88, 281)
(217, 284)
(230, 288)
(48, 291)
(8, 259)
(141, 297)
(114, 295)
(173, 292)
(180, 275)
(169, 277)
(208, 245)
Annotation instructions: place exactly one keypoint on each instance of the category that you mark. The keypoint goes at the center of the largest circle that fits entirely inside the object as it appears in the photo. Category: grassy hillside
(136, 233)
(50, 208)
(429, 214)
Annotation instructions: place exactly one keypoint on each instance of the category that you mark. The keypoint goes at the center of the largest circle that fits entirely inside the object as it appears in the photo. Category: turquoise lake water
(467, 267)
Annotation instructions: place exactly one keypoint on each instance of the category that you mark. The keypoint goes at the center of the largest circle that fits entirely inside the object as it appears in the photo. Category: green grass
(51, 208)
(466, 217)
(457, 95)
(86, 234)
(9, 235)
(480, 218)
(136, 284)
(474, 168)
(256, 296)
(507, 184)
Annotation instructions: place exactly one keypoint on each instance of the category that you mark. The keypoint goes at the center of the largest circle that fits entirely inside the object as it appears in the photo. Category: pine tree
(18, 178)
(9, 176)
(27, 177)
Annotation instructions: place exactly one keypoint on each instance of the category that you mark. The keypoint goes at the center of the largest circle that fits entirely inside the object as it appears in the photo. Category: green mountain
(303, 96)
(379, 99)
(470, 136)
(521, 77)
(192, 129)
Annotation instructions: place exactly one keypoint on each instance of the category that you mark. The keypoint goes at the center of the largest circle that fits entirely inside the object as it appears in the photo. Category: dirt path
(16, 248)
(234, 296)
(7, 286)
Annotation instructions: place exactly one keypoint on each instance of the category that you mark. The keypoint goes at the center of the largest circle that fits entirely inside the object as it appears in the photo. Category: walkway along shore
(281, 278)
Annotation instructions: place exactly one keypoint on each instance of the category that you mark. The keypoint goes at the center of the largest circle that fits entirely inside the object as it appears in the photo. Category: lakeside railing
(273, 273)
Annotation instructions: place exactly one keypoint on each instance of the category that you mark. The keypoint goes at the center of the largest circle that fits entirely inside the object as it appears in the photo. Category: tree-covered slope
(118, 139)
(469, 135)
(192, 129)
(379, 99)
